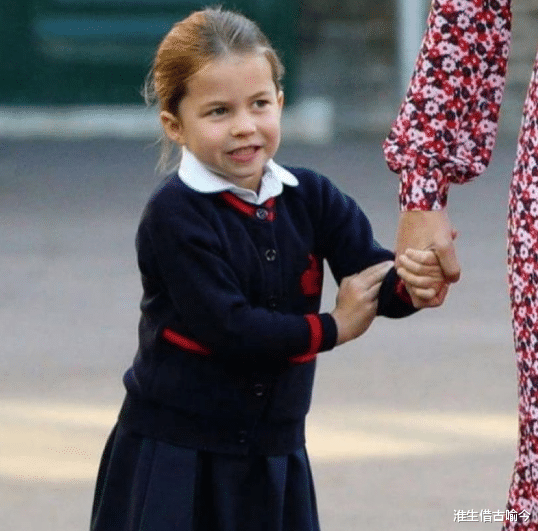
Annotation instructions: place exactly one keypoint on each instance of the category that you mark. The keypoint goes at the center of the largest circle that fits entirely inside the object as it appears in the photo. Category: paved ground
(412, 422)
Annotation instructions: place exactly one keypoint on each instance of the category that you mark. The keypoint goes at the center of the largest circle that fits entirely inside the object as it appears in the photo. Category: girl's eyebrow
(261, 93)
(213, 104)
(223, 103)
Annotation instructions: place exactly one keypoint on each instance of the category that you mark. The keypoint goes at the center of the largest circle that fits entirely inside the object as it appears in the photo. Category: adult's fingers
(426, 257)
(429, 230)
(426, 299)
(418, 267)
(446, 254)
(425, 294)
(419, 280)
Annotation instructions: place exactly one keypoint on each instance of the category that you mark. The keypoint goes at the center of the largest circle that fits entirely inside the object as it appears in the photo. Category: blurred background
(411, 425)
(59, 55)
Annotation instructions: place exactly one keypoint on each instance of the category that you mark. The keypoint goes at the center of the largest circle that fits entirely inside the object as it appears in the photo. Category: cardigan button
(270, 255)
(261, 214)
(242, 437)
(259, 390)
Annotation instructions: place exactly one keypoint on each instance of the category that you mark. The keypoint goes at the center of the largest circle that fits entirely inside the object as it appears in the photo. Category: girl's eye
(218, 111)
(260, 104)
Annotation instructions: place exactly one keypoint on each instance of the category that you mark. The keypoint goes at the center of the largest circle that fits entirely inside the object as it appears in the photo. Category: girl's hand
(423, 277)
(356, 301)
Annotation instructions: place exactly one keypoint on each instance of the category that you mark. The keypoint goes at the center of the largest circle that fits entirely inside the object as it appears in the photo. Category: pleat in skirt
(148, 485)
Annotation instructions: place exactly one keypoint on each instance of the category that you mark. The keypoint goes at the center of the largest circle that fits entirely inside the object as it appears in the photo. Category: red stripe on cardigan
(248, 208)
(316, 339)
(402, 292)
(185, 343)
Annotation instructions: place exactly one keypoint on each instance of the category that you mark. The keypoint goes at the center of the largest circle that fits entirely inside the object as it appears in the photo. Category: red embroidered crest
(312, 277)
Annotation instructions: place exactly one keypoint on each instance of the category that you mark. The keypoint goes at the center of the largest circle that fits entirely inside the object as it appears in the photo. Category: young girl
(230, 249)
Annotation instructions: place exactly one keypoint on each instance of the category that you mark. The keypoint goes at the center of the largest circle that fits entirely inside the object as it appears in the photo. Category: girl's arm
(346, 240)
(445, 130)
(182, 264)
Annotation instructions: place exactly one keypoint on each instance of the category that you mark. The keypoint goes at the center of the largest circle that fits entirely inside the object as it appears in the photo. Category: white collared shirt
(200, 178)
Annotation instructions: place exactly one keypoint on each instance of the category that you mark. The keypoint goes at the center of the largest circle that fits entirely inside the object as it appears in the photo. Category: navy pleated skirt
(148, 485)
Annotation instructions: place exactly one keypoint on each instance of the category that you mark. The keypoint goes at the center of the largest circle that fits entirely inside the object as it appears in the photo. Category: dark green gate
(58, 52)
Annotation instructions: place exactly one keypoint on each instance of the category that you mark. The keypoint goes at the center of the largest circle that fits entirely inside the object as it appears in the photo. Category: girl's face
(230, 117)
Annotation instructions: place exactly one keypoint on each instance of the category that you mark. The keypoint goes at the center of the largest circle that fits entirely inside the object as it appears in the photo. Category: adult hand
(422, 230)
(423, 277)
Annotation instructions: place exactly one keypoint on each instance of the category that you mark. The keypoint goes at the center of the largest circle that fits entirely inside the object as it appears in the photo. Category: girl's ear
(280, 99)
(172, 127)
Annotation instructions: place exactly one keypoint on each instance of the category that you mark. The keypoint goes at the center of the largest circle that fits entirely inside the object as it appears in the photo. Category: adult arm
(446, 127)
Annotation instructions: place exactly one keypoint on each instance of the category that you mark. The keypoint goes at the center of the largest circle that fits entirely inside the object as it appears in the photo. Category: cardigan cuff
(330, 332)
(402, 292)
(323, 335)
(393, 299)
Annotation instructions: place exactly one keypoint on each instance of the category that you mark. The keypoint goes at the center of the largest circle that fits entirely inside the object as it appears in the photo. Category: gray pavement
(410, 423)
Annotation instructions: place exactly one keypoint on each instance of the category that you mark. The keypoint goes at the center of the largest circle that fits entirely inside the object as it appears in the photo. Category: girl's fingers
(373, 291)
(374, 274)
(379, 271)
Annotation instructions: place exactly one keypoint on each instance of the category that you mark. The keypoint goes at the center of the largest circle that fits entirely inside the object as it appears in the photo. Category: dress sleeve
(446, 127)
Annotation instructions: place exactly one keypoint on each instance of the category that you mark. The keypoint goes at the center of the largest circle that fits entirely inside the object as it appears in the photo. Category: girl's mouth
(244, 154)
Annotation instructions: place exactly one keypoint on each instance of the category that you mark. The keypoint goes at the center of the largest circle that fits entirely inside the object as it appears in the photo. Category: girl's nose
(243, 125)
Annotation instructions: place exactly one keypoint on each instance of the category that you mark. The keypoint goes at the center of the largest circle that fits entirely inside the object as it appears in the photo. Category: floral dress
(444, 133)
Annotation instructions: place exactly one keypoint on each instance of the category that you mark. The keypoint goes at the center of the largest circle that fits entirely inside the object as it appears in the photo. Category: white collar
(200, 178)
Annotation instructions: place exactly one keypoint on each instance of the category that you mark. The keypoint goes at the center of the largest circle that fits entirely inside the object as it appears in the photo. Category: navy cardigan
(230, 323)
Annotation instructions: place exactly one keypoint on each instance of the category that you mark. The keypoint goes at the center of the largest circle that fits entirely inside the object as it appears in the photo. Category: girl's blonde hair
(192, 43)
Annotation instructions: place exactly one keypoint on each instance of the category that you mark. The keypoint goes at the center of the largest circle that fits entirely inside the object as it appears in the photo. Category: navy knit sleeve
(393, 300)
(179, 247)
(346, 240)
(344, 234)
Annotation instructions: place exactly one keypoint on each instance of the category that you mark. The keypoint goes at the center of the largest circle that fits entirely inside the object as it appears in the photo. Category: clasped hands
(425, 256)
(425, 261)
